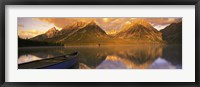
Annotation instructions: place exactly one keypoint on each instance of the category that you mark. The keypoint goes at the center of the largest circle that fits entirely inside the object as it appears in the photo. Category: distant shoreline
(96, 45)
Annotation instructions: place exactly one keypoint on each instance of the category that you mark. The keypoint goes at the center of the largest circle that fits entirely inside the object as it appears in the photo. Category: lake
(112, 56)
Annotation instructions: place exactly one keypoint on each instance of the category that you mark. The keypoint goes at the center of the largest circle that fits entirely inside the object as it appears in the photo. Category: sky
(29, 27)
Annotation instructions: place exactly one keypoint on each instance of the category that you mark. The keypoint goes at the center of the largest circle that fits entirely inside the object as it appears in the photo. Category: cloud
(163, 21)
(109, 24)
(160, 27)
(20, 25)
(61, 22)
(29, 33)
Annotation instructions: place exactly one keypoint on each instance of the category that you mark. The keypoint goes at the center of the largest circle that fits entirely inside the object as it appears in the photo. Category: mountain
(70, 28)
(173, 33)
(140, 30)
(88, 34)
(53, 34)
(79, 32)
(49, 34)
(67, 31)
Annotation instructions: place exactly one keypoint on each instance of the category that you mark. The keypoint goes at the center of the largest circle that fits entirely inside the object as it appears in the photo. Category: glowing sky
(30, 27)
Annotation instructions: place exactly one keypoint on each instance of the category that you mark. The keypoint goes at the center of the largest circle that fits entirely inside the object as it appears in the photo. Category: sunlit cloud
(128, 22)
(105, 19)
(61, 22)
(20, 25)
(163, 21)
(29, 33)
(160, 27)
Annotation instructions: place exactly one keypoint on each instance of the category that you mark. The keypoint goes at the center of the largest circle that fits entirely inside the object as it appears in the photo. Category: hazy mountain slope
(88, 34)
(140, 30)
(173, 33)
(54, 35)
(49, 34)
(67, 31)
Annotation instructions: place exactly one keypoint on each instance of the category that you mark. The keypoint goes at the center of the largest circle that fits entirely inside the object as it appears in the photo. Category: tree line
(31, 43)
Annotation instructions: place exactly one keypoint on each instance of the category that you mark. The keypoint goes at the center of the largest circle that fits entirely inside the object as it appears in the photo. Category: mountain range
(138, 31)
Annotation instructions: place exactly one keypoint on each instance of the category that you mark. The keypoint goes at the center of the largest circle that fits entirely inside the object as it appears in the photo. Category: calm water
(112, 57)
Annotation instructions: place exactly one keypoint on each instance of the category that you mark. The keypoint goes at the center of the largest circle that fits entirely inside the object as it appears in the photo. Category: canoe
(69, 61)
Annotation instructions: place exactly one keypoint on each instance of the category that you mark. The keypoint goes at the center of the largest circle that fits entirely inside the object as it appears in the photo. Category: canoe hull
(63, 65)
(69, 61)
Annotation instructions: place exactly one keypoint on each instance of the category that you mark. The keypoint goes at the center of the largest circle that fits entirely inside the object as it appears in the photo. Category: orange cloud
(62, 22)
(29, 33)
(108, 24)
(20, 25)
(105, 19)
(159, 27)
(163, 21)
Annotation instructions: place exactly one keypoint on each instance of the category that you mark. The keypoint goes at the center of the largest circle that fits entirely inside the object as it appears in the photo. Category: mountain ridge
(173, 33)
(138, 31)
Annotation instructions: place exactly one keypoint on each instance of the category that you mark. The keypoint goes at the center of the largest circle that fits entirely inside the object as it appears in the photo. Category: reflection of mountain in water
(133, 56)
(115, 62)
(160, 63)
(173, 53)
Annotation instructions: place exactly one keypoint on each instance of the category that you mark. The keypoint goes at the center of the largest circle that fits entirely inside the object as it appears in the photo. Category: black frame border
(98, 2)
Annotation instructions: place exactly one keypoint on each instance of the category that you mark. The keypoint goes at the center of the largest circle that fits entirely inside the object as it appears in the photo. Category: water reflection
(160, 63)
(115, 62)
(114, 57)
(27, 58)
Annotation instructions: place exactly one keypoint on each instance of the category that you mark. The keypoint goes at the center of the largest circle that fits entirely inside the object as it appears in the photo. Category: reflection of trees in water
(140, 61)
(173, 53)
(41, 52)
